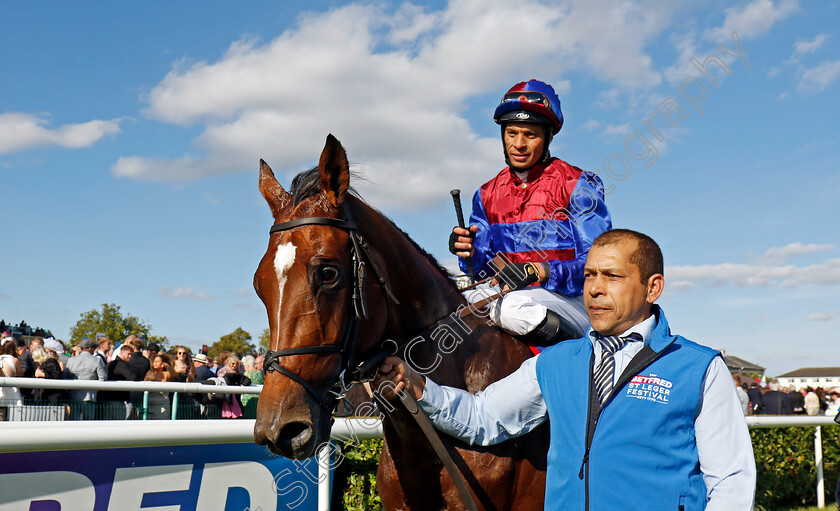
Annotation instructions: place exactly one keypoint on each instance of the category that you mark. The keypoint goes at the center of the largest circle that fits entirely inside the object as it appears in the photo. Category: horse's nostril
(293, 429)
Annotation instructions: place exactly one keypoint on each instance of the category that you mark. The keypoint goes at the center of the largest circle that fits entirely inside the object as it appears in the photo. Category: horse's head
(306, 281)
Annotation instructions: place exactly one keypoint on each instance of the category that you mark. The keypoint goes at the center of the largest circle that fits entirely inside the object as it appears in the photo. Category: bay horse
(324, 241)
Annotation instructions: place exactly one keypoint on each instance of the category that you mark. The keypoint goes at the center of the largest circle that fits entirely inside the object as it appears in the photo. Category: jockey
(539, 214)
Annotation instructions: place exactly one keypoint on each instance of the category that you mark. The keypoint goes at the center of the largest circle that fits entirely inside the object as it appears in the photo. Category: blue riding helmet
(531, 101)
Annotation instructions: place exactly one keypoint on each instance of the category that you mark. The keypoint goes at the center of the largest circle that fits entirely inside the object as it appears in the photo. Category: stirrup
(553, 329)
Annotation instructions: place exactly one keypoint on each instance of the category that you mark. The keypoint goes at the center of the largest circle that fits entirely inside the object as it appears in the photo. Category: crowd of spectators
(773, 399)
(132, 360)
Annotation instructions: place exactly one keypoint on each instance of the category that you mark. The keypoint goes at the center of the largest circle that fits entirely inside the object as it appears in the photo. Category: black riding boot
(553, 329)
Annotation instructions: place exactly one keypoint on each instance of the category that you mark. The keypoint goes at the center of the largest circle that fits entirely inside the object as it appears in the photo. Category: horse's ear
(335, 172)
(277, 197)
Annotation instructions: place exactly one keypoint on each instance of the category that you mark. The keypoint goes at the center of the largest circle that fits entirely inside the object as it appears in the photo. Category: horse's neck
(464, 352)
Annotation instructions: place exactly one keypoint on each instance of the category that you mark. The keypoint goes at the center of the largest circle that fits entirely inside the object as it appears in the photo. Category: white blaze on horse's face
(284, 258)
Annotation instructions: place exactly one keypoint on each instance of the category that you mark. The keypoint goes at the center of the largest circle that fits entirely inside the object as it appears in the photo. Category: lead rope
(411, 406)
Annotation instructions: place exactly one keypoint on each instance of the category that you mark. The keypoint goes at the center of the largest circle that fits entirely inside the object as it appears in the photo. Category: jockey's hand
(521, 275)
(461, 241)
(396, 375)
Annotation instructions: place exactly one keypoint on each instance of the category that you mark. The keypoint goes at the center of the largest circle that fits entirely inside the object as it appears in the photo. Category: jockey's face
(524, 142)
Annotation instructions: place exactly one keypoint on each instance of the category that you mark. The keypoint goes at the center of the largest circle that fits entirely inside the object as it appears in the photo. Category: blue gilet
(639, 451)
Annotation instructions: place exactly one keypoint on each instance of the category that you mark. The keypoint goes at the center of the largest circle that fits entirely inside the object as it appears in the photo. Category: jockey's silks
(552, 217)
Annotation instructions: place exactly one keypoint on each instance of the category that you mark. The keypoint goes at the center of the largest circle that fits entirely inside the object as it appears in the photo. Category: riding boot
(553, 329)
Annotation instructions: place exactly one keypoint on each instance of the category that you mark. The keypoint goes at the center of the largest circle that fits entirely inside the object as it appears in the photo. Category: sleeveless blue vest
(643, 453)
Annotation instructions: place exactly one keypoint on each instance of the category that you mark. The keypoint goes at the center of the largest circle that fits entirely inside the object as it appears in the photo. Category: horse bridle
(359, 251)
(365, 370)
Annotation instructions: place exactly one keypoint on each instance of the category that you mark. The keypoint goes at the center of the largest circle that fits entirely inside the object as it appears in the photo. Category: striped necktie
(605, 374)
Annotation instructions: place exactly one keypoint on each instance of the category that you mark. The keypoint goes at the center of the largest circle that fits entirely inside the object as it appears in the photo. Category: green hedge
(786, 470)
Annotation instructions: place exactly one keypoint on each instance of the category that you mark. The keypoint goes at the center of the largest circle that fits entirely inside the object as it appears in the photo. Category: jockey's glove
(521, 275)
(453, 239)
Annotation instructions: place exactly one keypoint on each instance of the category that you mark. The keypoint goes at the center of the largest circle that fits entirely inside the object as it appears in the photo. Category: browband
(313, 220)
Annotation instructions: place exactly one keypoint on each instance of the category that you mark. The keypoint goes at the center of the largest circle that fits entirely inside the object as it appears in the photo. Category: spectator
(24, 355)
(797, 400)
(47, 367)
(140, 365)
(211, 365)
(84, 366)
(161, 370)
(221, 363)
(183, 366)
(36, 342)
(776, 402)
(812, 402)
(27, 365)
(202, 372)
(260, 362)
(10, 368)
(742, 394)
(833, 407)
(119, 370)
(104, 347)
(151, 351)
(232, 407)
(822, 397)
(249, 401)
(756, 398)
(56, 348)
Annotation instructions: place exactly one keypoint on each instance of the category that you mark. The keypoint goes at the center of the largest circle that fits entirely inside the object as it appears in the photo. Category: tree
(111, 322)
(265, 337)
(237, 342)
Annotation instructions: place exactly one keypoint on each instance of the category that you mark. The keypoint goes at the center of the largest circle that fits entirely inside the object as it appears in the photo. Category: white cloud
(783, 95)
(686, 46)
(21, 131)
(185, 293)
(801, 48)
(817, 79)
(778, 255)
(821, 316)
(394, 87)
(590, 125)
(753, 19)
(758, 275)
(609, 98)
(616, 130)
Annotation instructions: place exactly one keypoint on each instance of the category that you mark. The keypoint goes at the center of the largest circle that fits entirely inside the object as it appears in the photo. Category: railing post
(818, 459)
(145, 405)
(174, 405)
(324, 477)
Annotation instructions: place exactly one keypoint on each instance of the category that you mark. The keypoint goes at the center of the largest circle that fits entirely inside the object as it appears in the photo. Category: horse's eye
(328, 275)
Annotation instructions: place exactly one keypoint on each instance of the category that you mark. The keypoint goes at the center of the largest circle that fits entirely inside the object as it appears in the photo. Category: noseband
(346, 349)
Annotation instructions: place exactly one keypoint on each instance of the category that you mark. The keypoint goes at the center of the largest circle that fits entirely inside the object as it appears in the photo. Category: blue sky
(130, 137)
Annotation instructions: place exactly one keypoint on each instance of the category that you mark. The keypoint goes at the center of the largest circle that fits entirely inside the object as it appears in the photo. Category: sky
(131, 134)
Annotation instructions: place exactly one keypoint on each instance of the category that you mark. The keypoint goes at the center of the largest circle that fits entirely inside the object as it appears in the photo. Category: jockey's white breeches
(521, 311)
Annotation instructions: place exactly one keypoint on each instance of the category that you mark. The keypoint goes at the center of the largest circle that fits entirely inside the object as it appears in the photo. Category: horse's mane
(308, 184)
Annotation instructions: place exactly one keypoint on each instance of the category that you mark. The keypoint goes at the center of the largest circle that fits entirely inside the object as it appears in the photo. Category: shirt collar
(645, 328)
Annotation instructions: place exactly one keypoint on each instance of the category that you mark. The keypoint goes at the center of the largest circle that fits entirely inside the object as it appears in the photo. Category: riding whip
(456, 198)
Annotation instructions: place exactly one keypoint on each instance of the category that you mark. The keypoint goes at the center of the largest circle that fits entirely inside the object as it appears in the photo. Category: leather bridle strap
(313, 220)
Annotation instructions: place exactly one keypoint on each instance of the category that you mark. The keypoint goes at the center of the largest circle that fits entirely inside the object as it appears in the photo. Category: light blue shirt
(514, 406)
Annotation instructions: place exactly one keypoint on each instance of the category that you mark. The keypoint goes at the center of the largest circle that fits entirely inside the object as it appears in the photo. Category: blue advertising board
(224, 477)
